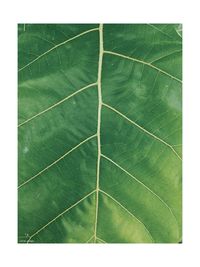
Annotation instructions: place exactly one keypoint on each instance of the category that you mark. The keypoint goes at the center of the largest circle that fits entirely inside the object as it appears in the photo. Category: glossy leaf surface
(99, 133)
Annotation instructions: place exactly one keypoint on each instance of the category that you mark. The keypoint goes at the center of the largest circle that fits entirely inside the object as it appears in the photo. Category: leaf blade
(99, 124)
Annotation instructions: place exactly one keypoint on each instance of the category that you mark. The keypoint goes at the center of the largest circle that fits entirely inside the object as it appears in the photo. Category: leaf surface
(99, 133)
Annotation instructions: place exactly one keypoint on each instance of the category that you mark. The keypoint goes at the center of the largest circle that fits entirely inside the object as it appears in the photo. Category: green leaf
(100, 133)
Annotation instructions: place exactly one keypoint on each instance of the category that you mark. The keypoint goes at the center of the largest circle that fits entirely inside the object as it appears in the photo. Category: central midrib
(98, 125)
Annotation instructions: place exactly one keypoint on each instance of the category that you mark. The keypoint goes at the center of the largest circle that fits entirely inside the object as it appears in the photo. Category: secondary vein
(58, 103)
(143, 129)
(143, 62)
(56, 46)
(59, 215)
(137, 180)
(130, 213)
(56, 161)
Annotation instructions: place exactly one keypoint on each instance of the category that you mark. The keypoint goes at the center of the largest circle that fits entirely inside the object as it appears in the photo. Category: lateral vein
(143, 62)
(137, 180)
(56, 46)
(56, 161)
(75, 204)
(161, 31)
(100, 239)
(143, 129)
(131, 214)
(174, 52)
(58, 103)
(90, 239)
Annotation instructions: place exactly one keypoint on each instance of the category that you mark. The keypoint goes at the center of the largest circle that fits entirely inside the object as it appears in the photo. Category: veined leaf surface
(99, 133)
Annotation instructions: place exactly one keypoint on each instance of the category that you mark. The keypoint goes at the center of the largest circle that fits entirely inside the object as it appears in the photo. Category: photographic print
(99, 133)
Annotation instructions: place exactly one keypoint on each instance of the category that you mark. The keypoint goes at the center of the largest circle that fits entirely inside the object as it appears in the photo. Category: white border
(170, 11)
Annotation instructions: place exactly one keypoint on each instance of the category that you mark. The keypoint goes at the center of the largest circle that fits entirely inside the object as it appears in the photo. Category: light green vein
(101, 240)
(90, 239)
(143, 129)
(131, 214)
(143, 62)
(137, 180)
(174, 52)
(56, 46)
(53, 220)
(56, 161)
(58, 103)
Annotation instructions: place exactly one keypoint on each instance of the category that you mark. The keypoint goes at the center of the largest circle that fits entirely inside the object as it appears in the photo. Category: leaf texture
(99, 133)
